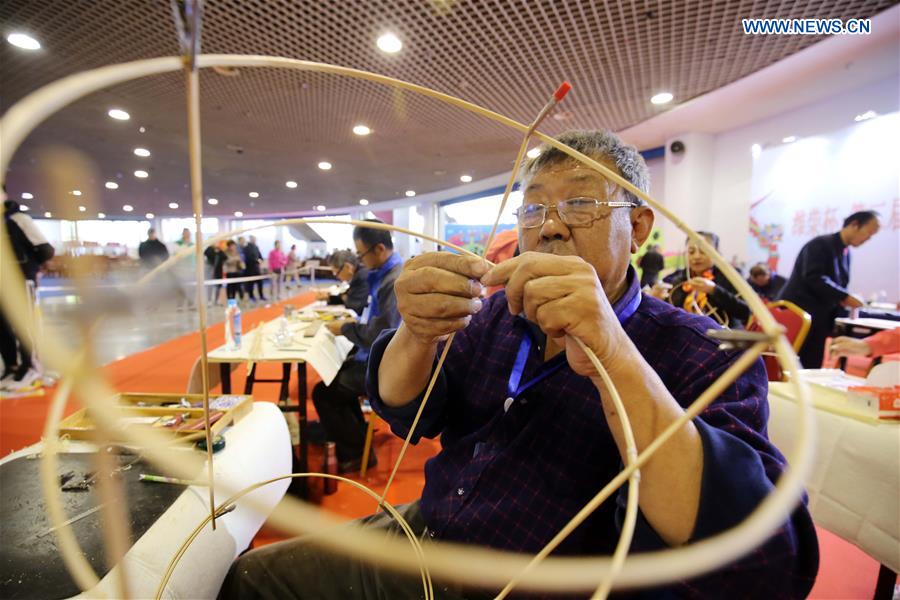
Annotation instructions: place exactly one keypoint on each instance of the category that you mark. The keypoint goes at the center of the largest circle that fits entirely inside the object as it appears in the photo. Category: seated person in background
(338, 403)
(651, 263)
(528, 431)
(347, 270)
(765, 283)
(702, 289)
(883, 342)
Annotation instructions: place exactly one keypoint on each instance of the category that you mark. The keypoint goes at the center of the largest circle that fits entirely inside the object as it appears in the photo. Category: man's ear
(642, 219)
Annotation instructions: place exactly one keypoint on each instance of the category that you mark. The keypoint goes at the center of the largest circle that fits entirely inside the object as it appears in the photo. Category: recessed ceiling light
(142, 129)
(320, 208)
(103, 215)
(173, 205)
(869, 114)
(141, 174)
(127, 208)
(27, 196)
(238, 213)
(389, 43)
(364, 202)
(118, 114)
(533, 153)
(465, 178)
(111, 185)
(24, 207)
(789, 139)
(142, 152)
(291, 184)
(410, 193)
(48, 214)
(212, 201)
(82, 208)
(662, 98)
(253, 194)
(23, 41)
(325, 165)
(361, 130)
(149, 215)
(76, 192)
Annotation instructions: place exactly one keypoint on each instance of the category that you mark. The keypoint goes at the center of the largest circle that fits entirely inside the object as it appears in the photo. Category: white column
(402, 242)
(688, 186)
(429, 211)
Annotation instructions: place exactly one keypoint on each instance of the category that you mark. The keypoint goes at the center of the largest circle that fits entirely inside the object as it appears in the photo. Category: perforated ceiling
(264, 127)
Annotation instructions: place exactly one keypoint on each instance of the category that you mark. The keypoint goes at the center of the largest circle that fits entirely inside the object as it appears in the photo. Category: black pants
(297, 568)
(14, 353)
(813, 350)
(233, 289)
(251, 284)
(339, 410)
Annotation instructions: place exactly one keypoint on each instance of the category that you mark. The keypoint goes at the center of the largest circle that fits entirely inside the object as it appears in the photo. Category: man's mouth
(557, 247)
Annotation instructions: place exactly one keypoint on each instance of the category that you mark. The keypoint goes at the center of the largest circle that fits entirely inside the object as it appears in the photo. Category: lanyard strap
(513, 387)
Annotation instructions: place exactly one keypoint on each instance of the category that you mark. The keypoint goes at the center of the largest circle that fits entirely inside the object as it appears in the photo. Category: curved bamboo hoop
(463, 563)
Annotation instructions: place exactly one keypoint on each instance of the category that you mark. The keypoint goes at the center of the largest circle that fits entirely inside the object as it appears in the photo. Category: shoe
(29, 380)
(353, 465)
(9, 375)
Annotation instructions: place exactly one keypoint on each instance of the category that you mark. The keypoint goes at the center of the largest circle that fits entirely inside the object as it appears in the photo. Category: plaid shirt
(512, 478)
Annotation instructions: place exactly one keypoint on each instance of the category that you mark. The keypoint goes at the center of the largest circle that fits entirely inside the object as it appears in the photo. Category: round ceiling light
(173, 205)
(76, 192)
(118, 114)
(533, 153)
(149, 215)
(410, 193)
(24, 207)
(128, 208)
(23, 41)
(253, 194)
(290, 184)
(363, 202)
(320, 208)
(82, 208)
(48, 214)
(662, 98)
(101, 215)
(361, 130)
(27, 196)
(465, 178)
(212, 201)
(389, 43)
(325, 165)
(238, 213)
(141, 174)
(111, 185)
(142, 152)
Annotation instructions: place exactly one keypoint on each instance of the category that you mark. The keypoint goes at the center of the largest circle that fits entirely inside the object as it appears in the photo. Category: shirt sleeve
(740, 466)
(728, 300)
(884, 342)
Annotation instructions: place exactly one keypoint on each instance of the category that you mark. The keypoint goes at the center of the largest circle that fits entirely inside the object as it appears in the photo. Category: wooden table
(324, 351)
(863, 327)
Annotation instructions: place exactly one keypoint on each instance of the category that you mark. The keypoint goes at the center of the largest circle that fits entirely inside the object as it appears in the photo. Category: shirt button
(460, 491)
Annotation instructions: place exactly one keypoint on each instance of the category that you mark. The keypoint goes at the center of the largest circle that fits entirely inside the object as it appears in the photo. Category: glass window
(468, 224)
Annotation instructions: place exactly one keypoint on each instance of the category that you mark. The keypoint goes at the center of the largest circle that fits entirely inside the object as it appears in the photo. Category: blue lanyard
(513, 387)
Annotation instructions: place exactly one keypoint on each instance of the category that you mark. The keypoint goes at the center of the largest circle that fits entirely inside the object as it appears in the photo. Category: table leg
(300, 487)
(884, 587)
(285, 383)
(251, 379)
(225, 376)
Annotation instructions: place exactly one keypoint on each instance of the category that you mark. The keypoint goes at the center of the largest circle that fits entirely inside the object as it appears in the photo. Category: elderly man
(821, 276)
(528, 431)
(348, 270)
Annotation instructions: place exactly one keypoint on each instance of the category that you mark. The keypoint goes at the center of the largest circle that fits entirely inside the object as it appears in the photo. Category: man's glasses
(574, 212)
(360, 255)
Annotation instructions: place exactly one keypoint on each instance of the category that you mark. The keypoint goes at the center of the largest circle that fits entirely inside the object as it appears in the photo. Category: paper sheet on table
(327, 353)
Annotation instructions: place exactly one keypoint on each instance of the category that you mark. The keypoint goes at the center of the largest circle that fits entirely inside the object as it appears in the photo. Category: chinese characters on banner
(806, 189)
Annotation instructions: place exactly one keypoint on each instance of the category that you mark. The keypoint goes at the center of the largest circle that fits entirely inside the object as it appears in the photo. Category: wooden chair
(370, 433)
(796, 323)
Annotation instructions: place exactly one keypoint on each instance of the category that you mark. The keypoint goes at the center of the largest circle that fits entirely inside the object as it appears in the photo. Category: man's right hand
(852, 301)
(438, 292)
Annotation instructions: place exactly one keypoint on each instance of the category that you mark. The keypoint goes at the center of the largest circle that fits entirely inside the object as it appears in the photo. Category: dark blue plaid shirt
(512, 479)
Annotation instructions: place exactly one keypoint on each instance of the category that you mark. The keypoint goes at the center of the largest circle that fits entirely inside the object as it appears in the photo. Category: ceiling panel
(265, 126)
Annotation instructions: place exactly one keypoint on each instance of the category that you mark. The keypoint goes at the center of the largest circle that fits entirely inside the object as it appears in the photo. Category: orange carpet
(845, 573)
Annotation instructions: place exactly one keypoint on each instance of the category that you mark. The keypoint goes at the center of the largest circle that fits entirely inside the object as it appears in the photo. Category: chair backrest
(795, 320)
(796, 323)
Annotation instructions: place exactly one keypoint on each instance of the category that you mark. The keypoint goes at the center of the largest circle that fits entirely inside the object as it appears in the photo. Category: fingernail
(477, 288)
(477, 304)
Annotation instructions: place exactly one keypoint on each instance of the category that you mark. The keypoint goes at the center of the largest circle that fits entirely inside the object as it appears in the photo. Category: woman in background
(702, 288)
(277, 262)
(233, 267)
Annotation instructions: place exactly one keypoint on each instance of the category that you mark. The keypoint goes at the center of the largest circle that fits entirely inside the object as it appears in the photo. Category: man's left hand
(335, 326)
(563, 295)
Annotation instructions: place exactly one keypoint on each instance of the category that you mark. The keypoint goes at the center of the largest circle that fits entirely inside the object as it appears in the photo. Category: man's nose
(553, 227)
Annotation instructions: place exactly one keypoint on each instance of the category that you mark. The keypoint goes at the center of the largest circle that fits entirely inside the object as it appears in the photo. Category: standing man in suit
(819, 281)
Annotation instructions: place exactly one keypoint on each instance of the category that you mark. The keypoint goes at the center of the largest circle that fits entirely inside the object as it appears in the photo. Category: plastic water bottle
(232, 325)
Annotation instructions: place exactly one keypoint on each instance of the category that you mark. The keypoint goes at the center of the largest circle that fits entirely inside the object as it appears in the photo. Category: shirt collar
(838, 242)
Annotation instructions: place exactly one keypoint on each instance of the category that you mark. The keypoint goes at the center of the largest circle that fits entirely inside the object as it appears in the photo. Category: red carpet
(846, 573)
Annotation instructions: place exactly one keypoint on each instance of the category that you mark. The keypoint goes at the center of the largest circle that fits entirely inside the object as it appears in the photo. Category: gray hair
(342, 257)
(602, 145)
